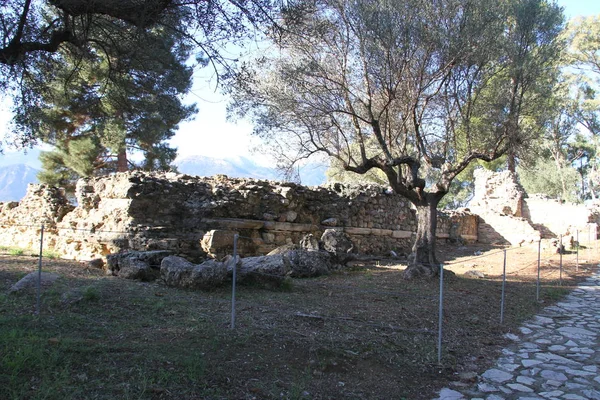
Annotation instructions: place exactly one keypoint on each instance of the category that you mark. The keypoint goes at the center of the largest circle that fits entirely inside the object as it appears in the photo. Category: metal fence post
(577, 251)
(537, 286)
(440, 314)
(503, 289)
(235, 240)
(560, 252)
(39, 280)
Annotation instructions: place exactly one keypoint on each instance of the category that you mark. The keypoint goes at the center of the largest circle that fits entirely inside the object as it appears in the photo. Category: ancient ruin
(507, 215)
(196, 218)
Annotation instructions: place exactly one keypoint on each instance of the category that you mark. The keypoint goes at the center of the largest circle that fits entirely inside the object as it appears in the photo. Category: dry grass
(360, 334)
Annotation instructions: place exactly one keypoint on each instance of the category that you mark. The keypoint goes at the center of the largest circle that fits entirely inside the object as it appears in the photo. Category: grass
(361, 334)
(33, 368)
(18, 251)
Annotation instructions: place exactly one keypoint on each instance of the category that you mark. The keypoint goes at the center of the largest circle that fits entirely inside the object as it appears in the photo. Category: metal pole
(577, 252)
(537, 287)
(560, 251)
(39, 280)
(235, 239)
(503, 289)
(440, 314)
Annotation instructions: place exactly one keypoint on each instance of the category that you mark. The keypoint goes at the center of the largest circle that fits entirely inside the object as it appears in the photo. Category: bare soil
(364, 333)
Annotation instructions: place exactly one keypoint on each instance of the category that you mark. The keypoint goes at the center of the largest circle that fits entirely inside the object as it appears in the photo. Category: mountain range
(243, 167)
(15, 178)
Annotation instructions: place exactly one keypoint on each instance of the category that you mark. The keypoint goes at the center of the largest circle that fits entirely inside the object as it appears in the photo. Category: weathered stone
(266, 269)
(330, 222)
(134, 268)
(475, 274)
(357, 231)
(31, 280)
(137, 264)
(179, 272)
(291, 216)
(283, 249)
(161, 211)
(218, 243)
(306, 264)
(309, 243)
(235, 223)
(401, 234)
(338, 244)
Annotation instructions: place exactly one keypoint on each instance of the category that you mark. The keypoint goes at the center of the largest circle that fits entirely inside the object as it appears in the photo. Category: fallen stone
(283, 249)
(265, 269)
(474, 274)
(330, 222)
(338, 244)
(134, 268)
(305, 264)
(309, 243)
(137, 264)
(31, 279)
(179, 272)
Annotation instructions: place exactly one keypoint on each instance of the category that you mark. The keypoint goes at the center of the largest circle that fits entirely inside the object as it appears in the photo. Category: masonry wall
(150, 211)
(509, 216)
(563, 218)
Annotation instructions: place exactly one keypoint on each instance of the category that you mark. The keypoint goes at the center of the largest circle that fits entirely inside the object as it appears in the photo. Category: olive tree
(434, 85)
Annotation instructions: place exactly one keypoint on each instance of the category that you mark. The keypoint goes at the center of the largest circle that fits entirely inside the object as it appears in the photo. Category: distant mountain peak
(244, 167)
(14, 180)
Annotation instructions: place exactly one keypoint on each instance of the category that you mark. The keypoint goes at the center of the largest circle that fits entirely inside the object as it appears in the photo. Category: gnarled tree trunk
(422, 262)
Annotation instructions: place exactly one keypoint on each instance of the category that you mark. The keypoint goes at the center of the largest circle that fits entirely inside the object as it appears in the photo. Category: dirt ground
(363, 333)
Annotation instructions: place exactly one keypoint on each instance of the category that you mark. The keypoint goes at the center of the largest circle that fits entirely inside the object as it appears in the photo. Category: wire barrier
(544, 266)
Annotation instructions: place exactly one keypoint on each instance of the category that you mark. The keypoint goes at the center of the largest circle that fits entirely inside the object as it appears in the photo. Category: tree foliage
(40, 35)
(436, 85)
(545, 177)
(84, 103)
(582, 67)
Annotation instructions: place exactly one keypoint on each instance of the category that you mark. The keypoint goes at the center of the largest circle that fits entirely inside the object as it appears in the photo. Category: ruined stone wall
(150, 211)
(509, 216)
(499, 192)
(499, 202)
(563, 218)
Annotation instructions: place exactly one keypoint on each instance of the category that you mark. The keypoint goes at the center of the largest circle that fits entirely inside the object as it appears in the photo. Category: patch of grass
(32, 367)
(51, 254)
(16, 252)
(554, 293)
(91, 293)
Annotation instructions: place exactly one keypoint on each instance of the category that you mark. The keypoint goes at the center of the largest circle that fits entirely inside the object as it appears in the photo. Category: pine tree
(98, 110)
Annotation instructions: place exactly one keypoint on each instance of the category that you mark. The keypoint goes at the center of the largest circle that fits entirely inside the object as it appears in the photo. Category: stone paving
(556, 356)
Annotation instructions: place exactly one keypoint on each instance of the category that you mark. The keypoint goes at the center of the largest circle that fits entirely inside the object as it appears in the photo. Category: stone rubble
(556, 357)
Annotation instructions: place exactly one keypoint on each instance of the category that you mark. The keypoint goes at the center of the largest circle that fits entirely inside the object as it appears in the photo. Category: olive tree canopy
(416, 89)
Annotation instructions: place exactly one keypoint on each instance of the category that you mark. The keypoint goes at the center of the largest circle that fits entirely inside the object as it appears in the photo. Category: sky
(209, 133)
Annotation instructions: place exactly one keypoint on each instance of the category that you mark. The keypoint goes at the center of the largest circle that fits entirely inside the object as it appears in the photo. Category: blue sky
(209, 133)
